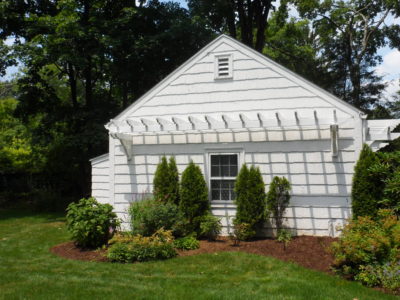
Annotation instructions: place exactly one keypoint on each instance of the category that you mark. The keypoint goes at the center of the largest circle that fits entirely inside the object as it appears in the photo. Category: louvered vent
(223, 67)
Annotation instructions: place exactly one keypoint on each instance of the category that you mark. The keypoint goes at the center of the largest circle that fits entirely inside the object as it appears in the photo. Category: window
(224, 169)
(223, 67)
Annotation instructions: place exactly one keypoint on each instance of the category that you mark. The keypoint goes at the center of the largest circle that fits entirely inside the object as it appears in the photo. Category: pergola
(376, 133)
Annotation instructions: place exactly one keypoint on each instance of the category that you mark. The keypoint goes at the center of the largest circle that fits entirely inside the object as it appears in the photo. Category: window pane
(225, 195)
(215, 160)
(225, 159)
(233, 171)
(215, 171)
(233, 160)
(225, 171)
(215, 195)
(215, 184)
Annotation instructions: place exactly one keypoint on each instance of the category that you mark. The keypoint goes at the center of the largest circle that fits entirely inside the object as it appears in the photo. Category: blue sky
(390, 67)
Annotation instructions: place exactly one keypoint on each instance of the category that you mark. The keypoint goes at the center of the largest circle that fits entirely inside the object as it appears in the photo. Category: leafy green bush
(150, 215)
(91, 223)
(250, 198)
(366, 246)
(210, 227)
(284, 236)
(138, 248)
(391, 193)
(241, 232)
(194, 202)
(366, 188)
(278, 199)
(387, 275)
(187, 243)
(166, 181)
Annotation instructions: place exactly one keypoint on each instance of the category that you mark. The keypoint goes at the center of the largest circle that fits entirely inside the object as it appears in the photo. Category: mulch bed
(307, 251)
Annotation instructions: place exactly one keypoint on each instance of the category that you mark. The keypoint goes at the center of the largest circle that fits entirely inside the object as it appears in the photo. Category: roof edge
(99, 159)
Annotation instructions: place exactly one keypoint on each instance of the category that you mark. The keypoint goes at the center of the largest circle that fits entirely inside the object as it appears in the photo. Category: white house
(229, 105)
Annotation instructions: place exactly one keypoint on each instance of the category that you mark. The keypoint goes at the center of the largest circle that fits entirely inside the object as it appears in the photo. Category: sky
(389, 69)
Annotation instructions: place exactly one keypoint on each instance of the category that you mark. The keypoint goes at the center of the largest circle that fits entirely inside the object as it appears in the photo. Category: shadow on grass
(25, 212)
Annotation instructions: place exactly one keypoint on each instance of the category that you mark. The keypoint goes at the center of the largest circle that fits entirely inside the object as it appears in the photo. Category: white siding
(321, 183)
(101, 178)
(257, 86)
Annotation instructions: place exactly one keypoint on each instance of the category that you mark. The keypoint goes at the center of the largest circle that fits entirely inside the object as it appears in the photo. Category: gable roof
(251, 53)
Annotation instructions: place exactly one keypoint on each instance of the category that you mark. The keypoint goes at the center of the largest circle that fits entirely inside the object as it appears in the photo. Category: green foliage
(367, 242)
(166, 181)
(391, 193)
(90, 223)
(284, 236)
(278, 199)
(250, 197)
(194, 202)
(387, 275)
(241, 232)
(174, 181)
(210, 227)
(366, 188)
(161, 181)
(138, 248)
(187, 243)
(149, 216)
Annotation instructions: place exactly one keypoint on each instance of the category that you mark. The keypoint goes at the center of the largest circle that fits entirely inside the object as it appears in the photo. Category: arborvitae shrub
(278, 200)
(166, 181)
(366, 189)
(193, 195)
(161, 181)
(250, 197)
(174, 181)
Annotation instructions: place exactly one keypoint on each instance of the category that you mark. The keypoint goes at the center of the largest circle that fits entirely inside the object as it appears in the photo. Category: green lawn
(29, 271)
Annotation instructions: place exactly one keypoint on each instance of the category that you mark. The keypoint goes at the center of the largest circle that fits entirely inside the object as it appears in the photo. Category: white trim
(220, 151)
(99, 159)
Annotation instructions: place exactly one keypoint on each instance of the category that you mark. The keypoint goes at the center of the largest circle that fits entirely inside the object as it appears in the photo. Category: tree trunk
(72, 85)
(88, 82)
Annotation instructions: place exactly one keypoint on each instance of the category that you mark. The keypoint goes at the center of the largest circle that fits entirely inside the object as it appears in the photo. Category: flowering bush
(387, 275)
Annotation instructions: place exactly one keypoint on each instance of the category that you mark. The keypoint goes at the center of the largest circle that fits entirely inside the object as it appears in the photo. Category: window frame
(240, 155)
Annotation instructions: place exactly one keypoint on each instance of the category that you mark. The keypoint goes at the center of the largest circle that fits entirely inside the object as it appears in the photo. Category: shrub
(91, 223)
(138, 248)
(366, 189)
(387, 275)
(391, 193)
(166, 181)
(194, 202)
(284, 236)
(278, 199)
(187, 243)
(241, 232)
(250, 198)
(148, 216)
(366, 245)
(174, 181)
(210, 227)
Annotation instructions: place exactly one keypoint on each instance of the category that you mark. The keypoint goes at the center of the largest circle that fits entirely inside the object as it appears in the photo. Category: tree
(365, 192)
(250, 198)
(246, 20)
(278, 199)
(194, 202)
(350, 33)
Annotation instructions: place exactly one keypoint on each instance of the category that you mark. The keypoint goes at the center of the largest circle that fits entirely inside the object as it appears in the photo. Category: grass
(29, 271)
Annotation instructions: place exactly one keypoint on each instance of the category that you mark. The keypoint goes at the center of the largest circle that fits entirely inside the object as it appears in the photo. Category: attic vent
(223, 67)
